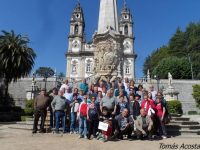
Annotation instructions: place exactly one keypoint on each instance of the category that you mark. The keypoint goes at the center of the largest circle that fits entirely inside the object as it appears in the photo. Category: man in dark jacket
(124, 124)
(134, 107)
(41, 103)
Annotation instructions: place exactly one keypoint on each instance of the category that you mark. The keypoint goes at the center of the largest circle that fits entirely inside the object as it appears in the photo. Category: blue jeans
(83, 126)
(73, 121)
(60, 115)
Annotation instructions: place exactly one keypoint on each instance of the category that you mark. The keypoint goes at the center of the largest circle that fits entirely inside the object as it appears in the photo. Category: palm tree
(45, 72)
(16, 57)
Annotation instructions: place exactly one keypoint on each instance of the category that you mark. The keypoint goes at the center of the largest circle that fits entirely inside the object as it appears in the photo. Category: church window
(76, 29)
(74, 67)
(88, 66)
(127, 69)
(126, 30)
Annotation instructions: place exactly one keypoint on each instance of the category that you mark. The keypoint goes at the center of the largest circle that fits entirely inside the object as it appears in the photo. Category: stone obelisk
(108, 16)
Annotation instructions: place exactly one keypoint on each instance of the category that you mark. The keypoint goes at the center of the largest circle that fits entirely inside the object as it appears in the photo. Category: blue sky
(46, 22)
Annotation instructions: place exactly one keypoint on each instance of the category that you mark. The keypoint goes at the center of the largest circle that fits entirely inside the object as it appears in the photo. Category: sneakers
(85, 137)
(80, 136)
(71, 132)
(164, 137)
(34, 132)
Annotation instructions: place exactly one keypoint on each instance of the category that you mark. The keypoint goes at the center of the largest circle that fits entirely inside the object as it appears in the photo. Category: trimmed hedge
(174, 107)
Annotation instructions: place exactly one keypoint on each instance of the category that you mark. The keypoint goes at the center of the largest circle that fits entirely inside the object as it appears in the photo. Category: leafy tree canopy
(183, 44)
(45, 72)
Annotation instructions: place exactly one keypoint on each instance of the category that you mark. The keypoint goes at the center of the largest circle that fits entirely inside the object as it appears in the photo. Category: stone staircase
(178, 127)
(182, 126)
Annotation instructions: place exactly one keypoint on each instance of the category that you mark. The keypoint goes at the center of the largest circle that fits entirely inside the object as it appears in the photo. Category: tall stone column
(108, 15)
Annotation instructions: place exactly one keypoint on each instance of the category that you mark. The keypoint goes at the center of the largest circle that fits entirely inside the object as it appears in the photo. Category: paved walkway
(12, 139)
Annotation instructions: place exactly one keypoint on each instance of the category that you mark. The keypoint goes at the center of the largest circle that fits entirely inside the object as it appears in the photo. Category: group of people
(104, 110)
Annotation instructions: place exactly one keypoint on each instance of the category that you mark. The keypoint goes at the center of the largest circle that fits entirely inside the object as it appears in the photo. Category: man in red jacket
(82, 116)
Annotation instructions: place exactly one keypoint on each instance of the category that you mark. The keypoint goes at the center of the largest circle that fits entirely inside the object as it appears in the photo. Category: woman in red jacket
(147, 104)
(160, 113)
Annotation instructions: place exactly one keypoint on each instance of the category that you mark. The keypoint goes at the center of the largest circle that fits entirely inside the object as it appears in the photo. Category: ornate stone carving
(107, 58)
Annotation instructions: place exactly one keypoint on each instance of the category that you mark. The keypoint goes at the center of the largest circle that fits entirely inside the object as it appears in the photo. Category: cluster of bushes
(6, 108)
(174, 107)
(10, 113)
(29, 109)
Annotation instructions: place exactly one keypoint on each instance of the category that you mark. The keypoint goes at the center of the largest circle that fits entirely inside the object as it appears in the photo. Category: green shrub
(174, 107)
(29, 109)
(192, 113)
(196, 94)
(29, 103)
(23, 118)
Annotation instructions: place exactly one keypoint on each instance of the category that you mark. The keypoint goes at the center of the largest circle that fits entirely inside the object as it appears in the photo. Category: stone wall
(18, 90)
(185, 92)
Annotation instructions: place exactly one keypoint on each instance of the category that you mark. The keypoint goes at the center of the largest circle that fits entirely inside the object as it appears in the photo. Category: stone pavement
(15, 139)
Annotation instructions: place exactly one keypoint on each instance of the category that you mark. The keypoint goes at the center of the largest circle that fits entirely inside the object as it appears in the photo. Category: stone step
(29, 119)
(175, 115)
(180, 118)
(183, 132)
(188, 127)
(173, 122)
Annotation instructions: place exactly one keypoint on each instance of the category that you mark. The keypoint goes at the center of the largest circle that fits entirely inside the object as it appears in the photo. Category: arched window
(126, 30)
(76, 29)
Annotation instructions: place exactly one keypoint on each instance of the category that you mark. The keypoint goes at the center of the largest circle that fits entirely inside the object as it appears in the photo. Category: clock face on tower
(76, 46)
(126, 17)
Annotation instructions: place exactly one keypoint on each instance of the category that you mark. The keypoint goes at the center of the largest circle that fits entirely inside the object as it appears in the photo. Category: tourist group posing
(104, 111)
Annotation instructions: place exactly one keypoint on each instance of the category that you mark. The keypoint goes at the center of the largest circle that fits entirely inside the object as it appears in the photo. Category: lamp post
(158, 81)
(33, 86)
(191, 67)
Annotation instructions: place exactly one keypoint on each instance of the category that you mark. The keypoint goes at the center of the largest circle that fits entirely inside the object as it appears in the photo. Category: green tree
(45, 72)
(152, 61)
(61, 75)
(196, 94)
(178, 67)
(183, 44)
(16, 57)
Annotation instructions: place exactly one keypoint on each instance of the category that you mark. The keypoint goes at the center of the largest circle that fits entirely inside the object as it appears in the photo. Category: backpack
(93, 113)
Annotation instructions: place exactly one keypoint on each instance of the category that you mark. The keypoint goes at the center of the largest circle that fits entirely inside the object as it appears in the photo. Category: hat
(137, 95)
(93, 96)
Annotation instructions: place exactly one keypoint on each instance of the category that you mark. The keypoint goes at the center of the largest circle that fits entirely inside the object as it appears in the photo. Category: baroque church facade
(111, 52)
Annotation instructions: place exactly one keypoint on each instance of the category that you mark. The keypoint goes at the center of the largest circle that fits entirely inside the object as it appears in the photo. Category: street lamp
(33, 86)
(191, 68)
(158, 81)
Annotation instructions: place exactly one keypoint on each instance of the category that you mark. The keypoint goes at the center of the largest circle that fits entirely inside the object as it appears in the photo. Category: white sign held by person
(103, 126)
